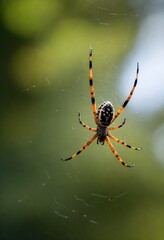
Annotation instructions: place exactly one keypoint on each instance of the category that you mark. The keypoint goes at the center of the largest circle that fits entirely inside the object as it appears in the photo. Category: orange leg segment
(92, 92)
(123, 143)
(128, 98)
(116, 127)
(84, 125)
(116, 154)
(81, 149)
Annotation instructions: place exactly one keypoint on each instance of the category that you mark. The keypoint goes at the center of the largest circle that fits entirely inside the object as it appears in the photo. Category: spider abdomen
(105, 114)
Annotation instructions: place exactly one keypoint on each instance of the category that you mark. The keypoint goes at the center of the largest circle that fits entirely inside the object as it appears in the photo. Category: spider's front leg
(81, 149)
(123, 143)
(116, 154)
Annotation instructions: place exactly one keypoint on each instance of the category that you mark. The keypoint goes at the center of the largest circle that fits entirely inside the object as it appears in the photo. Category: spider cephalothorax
(102, 133)
(103, 118)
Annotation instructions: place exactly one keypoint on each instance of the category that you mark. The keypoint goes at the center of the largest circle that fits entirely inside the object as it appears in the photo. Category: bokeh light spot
(158, 141)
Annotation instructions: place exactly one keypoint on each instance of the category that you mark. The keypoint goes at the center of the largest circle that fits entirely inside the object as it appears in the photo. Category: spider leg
(92, 92)
(128, 98)
(123, 143)
(84, 125)
(116, 154)
(119, 126)
(81, 149)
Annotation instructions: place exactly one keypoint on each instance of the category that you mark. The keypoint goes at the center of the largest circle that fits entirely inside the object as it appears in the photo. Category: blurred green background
(44, 48)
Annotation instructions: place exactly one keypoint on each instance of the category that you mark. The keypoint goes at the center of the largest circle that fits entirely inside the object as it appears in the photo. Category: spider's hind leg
(92, 91)
(129, 97)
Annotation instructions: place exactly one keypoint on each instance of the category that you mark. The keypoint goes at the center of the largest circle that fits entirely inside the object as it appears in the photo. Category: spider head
(105, 114)
(102, 132)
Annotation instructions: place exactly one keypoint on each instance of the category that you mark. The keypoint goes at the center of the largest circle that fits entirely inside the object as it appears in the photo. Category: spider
(104, 117)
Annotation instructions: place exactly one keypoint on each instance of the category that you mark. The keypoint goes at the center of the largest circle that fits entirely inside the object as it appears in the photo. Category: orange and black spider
(103, 118)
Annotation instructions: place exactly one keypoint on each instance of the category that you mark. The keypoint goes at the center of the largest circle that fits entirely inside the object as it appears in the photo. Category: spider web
(94, 198)
(83, 209)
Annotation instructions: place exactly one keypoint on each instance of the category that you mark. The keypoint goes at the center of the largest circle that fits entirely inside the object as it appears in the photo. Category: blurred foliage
(28, 18)
(44, 83)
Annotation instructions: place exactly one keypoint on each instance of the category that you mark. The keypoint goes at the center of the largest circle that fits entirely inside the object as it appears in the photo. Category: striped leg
(92, 92)
(84, 125)
(128, 98)
(81, 149)
(119, 126)
(123, 143)
(116, 154)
